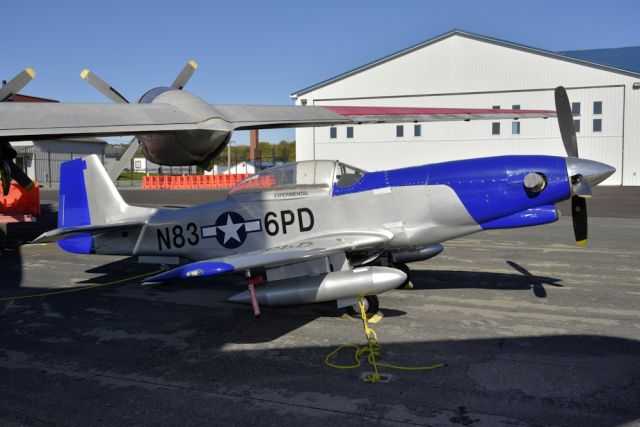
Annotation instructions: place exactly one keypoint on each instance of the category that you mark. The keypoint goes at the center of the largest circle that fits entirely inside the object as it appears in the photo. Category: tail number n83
(177, 236)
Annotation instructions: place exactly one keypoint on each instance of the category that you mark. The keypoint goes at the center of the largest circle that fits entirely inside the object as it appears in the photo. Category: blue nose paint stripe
(493, 187)
(489, 188)
(73, 206)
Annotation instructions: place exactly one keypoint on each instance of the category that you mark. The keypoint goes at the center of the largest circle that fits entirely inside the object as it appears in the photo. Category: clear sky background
(258, 52)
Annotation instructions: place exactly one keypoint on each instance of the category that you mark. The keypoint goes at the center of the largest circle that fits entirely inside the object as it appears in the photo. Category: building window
(576, 124)
(515, 126)
(399, 131)
(597, 125)
(495, 126)
(349, 131)
(597, 107)
(417, 130)
(333, 133)
(575, 107)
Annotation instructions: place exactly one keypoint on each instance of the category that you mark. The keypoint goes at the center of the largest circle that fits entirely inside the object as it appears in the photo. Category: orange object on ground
(191, 182)
(5, 219)
(20, 201)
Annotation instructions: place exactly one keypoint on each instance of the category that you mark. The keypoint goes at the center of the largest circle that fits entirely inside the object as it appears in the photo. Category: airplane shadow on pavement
(183, 338)
(445, 279)
(10, 268)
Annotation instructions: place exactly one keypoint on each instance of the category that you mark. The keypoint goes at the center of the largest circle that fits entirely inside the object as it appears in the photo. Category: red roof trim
(26, 98)
(393, 111)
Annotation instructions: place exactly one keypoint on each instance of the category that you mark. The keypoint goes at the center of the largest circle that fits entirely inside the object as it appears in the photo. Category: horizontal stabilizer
(61, 233)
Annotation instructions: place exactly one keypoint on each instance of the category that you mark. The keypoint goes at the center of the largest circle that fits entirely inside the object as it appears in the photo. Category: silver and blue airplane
(322, 230)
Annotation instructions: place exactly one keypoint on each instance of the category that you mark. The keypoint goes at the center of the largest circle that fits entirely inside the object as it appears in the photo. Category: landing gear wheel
(406, 270)
(371, 304)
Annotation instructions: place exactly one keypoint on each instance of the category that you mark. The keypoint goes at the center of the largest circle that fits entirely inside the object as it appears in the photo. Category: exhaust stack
(333, 286)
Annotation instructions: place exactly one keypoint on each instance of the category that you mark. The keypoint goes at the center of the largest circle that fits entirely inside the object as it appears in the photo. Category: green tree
(285, 151)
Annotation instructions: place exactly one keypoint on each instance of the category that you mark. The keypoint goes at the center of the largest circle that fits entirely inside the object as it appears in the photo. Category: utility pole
(229, 156)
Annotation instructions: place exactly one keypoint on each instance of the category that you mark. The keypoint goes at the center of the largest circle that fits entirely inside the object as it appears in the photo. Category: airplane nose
(593, 172)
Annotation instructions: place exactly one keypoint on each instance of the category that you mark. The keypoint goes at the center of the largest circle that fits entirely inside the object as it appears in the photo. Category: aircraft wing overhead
(23, 121)
(246, 117)
(293, 252)
(26, 121)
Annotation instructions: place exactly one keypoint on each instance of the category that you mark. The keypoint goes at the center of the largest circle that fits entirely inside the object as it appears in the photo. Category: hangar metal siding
(472, 73)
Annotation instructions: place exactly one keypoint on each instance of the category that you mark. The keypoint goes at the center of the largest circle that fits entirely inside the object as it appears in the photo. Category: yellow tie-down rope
(83, 288)
(372, 349)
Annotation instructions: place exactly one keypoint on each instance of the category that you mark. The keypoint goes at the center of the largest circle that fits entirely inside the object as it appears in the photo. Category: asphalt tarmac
(534, 331)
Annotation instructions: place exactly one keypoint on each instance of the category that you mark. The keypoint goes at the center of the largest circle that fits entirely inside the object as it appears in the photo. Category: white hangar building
(460, 69)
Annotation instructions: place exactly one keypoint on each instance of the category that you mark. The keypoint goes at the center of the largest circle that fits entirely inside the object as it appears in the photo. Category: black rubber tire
(373, 304)
(406, 270)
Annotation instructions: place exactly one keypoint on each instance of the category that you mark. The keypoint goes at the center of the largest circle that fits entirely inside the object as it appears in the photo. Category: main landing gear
(371, 304)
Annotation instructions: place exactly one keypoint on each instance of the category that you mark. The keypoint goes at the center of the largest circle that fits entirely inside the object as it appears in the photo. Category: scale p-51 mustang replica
(319, 230)
(323, 230)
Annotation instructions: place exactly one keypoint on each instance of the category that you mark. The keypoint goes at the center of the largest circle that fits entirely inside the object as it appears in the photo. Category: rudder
(88, 197)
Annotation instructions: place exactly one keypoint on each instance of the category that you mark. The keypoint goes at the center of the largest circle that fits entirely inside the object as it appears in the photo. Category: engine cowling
(189, 147)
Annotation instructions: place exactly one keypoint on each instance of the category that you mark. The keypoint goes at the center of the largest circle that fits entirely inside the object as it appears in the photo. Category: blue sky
(258, 52)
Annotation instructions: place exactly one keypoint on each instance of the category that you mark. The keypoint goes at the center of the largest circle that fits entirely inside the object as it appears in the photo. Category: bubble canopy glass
(307, 175)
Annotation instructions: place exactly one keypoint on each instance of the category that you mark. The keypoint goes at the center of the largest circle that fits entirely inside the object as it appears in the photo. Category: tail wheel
(406, 270)
(371, 303)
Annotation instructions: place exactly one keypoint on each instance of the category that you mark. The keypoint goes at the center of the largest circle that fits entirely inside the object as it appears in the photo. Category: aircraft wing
(245, 117)
(31, 121)
(295, 251)
(35, 120)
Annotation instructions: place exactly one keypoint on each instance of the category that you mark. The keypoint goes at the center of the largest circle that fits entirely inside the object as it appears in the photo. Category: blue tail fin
(88, 197)
(73, 206)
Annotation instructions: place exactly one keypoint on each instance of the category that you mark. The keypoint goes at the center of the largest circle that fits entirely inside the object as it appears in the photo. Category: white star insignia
(230, 230)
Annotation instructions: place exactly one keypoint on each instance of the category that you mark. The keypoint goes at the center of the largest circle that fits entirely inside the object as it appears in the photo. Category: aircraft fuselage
(416, 206)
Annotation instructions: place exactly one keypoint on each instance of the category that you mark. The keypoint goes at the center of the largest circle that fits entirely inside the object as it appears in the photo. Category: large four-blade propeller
(8, 169)
(579, 186)
(14, 85)
(107, 90)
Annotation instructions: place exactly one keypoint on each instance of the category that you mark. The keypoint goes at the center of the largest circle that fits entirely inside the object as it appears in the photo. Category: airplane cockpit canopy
(302, 179)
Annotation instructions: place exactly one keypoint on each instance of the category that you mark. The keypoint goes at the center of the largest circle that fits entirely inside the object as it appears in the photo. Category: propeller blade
(579, 214)
(184, 76)
(565, 121)
(17, 83)
(5, 175)
(103, 87)
(20, 177)
(581, 187)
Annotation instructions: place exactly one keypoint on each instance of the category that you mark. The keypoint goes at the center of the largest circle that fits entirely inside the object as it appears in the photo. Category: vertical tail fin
(88, 197)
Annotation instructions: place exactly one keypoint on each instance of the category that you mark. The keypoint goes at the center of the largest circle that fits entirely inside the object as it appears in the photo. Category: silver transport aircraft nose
(593, 172)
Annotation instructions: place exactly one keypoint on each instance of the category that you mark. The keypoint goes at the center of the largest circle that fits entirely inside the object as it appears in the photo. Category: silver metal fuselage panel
(413, 215)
